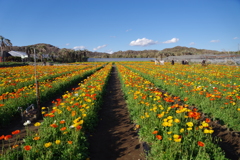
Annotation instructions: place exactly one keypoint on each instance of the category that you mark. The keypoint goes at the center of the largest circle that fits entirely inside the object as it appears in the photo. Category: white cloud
(214, 41)
(67, 44)
(143, 42)
(173, 40)
(99, 47)
(192, 43)
(109, 51)
(128, 30)
(79, 47)
(235, 38)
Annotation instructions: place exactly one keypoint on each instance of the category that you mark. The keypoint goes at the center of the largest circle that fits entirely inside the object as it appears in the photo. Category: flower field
(214, 89)
(173, 107)
(170, 128)
(62, 134)
(19, 90)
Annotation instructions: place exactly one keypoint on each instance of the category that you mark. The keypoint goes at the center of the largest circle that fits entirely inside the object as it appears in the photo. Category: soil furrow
(115, 137)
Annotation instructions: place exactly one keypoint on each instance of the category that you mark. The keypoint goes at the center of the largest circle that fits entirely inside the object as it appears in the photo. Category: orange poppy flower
(73, 113)
(27, 148)
(15, 146)
(78, 128)
(63, 128)
(36, 138)
(54, 125)
(154, 132)
(208, 120)
(159, 137)
(7, 137)
(2, 137)
(201, 144)
(15, 132)
(62, 121)
(191, 114)
(70, 142)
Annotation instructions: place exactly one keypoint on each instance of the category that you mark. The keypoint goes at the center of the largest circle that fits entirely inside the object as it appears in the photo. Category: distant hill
(175, 51)
(189, 51)
(49, 48)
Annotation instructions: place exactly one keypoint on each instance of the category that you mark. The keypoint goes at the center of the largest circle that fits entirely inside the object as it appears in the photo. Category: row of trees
(45, 53)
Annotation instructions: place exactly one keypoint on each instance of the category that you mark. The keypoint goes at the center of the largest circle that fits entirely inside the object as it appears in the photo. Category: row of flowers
(170, 127)
(214, 89)
(62, 134)
(12, 78)
(25, 96)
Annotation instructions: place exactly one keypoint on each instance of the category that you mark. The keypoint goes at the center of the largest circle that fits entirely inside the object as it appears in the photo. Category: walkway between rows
(115, 137)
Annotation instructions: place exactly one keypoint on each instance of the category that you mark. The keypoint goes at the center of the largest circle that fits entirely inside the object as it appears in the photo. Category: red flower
(154, 132)
(78, 128)
(2, 137)
(59, 100)
(27, 148)
(191, 114)
(62, 121)
(159, 137)
(201, 144)
(15, 132)
(54, 125)
(7, 137)
(208, 120)
(194, 109)
(63, 128)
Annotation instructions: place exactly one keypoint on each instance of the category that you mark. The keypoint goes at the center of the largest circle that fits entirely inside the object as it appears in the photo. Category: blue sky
(113, 25)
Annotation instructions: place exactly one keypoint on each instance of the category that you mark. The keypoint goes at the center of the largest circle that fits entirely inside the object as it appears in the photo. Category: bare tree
(4, 43)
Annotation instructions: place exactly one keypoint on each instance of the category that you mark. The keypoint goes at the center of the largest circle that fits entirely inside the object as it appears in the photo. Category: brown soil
(230, 140)
(115, 137)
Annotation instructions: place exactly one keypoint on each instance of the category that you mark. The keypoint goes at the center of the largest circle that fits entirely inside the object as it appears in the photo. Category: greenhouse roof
(18, 54)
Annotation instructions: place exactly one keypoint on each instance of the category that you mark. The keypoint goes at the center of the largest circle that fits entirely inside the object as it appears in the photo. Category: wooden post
(37, 88)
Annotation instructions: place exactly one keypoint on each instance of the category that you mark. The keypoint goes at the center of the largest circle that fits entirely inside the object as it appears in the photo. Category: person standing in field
(172, 62)
(183, 62)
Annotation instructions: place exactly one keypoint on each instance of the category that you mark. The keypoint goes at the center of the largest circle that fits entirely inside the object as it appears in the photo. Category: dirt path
(115, 137)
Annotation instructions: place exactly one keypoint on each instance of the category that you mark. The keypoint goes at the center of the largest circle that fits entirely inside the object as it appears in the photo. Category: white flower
(27, 123)
(71, 126)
